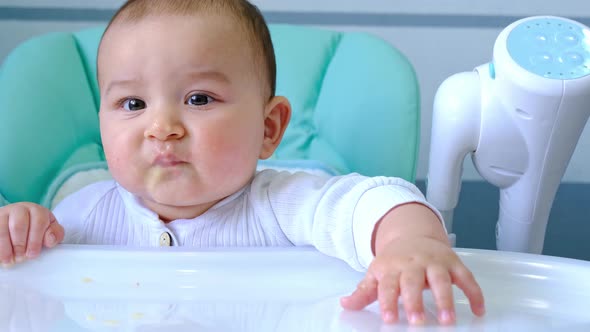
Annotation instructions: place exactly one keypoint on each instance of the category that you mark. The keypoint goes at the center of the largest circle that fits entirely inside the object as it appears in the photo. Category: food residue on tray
(111, 322)
(137, 315)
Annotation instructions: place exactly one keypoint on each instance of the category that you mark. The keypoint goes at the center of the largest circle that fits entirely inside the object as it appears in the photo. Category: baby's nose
(165, 127)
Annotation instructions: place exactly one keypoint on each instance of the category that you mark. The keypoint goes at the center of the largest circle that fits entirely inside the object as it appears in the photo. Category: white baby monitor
(520, 117)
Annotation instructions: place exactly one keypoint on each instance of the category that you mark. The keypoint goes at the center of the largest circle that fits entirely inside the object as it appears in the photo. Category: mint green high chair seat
(355, 106)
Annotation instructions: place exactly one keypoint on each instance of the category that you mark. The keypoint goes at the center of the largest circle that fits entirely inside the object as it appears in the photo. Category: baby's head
(187, 101)
(244, 15)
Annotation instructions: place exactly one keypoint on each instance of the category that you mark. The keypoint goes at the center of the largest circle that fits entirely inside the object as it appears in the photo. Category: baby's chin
(171, 186)
(179, 195)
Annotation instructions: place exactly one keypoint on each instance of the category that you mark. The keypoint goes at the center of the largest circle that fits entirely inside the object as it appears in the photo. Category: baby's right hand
(24, 229)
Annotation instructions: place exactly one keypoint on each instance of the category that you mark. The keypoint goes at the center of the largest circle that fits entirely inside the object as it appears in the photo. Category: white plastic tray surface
(98, 288)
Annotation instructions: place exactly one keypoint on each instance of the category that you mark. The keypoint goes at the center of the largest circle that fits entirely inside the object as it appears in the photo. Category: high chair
(355, 102)
(355, 109)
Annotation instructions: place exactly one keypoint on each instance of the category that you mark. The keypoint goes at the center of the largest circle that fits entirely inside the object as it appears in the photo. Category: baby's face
(182, 111)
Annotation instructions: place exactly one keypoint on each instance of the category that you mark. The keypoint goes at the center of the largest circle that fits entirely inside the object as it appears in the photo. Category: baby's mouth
(164, 167)
(167, 160)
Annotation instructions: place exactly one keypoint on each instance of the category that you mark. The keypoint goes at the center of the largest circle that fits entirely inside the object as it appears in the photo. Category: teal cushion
(298, 165)
(3, 201)
(49, 119)
(355, 105)
(355, 101)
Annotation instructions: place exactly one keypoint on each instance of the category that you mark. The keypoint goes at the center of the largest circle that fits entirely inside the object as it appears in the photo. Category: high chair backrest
(355, 102)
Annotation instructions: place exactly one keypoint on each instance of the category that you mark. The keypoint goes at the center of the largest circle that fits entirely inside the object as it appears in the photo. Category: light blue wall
(439, 37)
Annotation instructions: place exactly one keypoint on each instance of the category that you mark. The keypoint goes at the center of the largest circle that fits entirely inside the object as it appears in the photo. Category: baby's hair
(246, 13)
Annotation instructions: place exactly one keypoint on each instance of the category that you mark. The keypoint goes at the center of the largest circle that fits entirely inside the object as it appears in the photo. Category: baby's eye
(133, 104)
(199, 99)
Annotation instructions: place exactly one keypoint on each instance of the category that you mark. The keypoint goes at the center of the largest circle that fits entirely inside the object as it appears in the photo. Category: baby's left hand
(405, 267)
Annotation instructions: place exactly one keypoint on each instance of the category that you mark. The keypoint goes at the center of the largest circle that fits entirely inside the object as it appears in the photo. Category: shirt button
(165, 240)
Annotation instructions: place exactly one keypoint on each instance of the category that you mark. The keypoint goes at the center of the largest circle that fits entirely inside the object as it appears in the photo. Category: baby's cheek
(236, 157)
(122, 169)
(114, 162)
(116, 171)
(229, 165)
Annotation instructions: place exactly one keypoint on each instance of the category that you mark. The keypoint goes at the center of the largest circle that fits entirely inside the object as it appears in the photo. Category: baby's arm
(381, 224)
(24, 229)
(411, 253)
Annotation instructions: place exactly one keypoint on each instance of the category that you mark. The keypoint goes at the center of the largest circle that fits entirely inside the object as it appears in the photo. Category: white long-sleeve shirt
(336, 215)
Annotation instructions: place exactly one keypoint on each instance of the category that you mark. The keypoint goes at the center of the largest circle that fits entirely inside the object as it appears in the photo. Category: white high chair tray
(93, 288)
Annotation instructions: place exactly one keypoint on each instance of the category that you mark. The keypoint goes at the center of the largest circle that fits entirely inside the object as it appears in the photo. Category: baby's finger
(54, 234)
(388, 296)
(365, 294)
(412, 283)
(441, 286)
(40, 219)
(6, 254)
(18, 225)
(464, 279)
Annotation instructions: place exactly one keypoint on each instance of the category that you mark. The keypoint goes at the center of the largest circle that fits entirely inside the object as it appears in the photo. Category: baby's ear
(277, 114)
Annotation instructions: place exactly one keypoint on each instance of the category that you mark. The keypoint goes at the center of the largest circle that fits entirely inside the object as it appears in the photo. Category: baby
(188, 107)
